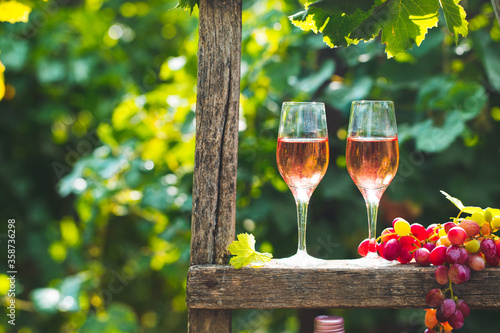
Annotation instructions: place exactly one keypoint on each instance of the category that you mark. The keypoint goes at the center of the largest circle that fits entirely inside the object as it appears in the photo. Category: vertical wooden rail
(214, 183)
(496, 7)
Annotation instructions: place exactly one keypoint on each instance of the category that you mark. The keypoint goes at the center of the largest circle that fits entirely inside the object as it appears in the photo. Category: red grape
(448, 225)
(488, 247)
(434, 297)
(421, 256)
(457, 273)
(430, 232)
(456, 320)
(418, 231)
(388, 234)
(492, 261)
(463, 307)
(392, 250)
(405, 256)
(467, 273)
(407, 242)
(463, 255)
(441, 275)
(453, 254)
(457, 235)
(448, 307)
(429, 246)
(438, 255)
(471, 227)
(476, 262)
(363, 247)
(381, 248)
(428, 330)
(440, 315)
(497, 242)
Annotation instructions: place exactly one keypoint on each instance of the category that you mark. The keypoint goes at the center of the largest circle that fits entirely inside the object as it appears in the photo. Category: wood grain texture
(209, 321)
(339, 284)
(496, 7)
(216, 153)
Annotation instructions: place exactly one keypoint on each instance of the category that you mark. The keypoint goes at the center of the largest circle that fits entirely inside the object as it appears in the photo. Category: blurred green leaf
(118, 318)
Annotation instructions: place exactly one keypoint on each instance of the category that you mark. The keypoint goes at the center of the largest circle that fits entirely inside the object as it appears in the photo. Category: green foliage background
(97, 144)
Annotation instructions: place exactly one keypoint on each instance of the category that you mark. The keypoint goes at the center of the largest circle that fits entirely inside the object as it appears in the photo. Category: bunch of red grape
(456, 248)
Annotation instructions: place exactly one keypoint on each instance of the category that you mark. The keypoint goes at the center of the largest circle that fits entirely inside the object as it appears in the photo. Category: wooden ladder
(213, 287)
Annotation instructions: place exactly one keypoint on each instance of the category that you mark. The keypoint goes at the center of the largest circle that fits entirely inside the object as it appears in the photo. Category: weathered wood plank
(216, 152)
(209, 321)
(339, 284)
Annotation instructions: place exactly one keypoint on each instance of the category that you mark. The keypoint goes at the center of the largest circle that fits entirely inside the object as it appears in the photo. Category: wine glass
(372, 157)
(302, 156)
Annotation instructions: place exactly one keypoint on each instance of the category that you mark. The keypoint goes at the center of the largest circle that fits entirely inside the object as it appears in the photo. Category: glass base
(372, 260)
(301, 259)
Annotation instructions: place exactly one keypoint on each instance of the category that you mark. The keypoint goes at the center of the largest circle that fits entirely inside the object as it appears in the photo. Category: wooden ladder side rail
(216, 152)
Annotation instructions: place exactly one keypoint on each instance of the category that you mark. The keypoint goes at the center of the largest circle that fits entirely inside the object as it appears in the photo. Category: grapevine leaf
(460, 205)
(2, 82)
(340, 26)
(244, 251)
(454, 15)
(403, 23)
(334, 7)
(13, 11)
(310, 19)
(455, 201)
(433, 139)
(188, 5)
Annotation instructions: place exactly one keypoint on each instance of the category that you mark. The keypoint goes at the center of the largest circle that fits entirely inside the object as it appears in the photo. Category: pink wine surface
(302, 162)
(372, 162)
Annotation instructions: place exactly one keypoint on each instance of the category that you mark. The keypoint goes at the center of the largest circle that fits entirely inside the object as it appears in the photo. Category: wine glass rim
(373, 101)
(291, 102)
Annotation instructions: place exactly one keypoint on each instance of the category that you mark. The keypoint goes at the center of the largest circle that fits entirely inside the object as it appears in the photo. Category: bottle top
(329, 324)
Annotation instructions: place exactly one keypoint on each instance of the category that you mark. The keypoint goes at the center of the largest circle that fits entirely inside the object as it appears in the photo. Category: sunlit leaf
(244, 251)
(455, 18)
(333, 7)
(403, 23)
(13, 11)
(2, 81)
(188, 5)
(460, 205)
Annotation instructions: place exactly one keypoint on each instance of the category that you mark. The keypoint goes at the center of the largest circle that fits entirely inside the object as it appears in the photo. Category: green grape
(478, 217)
(402, 228)
(473, 246)
(495, 223)
(488, 216)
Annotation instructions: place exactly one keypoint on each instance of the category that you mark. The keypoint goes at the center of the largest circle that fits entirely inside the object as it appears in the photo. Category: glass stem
(302, 197)
(372, 200)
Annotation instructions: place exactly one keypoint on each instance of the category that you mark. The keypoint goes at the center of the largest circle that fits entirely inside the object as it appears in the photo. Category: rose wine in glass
(302, 155)
(372, 156)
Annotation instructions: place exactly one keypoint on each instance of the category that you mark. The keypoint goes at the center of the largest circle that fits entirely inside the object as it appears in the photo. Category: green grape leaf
(460, 205)
(342, 23)
(310, 19)
(244, 251)
(188, 5)
(403, 23)
(334, 7)
(454, 15)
